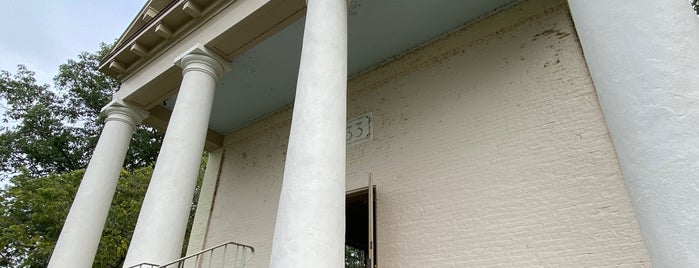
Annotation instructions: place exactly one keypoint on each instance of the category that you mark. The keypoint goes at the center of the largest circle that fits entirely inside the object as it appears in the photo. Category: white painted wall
(245, 205)
(643, 56)
(207, 192)
(489, 150)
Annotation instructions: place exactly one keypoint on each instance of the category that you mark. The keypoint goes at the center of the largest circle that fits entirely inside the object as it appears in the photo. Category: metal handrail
(145, 264)
(198, 258)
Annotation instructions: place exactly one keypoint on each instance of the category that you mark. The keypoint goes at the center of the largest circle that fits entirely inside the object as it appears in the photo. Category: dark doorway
(357, 229)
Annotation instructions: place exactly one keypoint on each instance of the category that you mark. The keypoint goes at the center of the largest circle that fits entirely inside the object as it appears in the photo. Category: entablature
(245, 23)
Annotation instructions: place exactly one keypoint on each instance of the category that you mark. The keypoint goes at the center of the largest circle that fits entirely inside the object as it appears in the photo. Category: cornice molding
(197, 15)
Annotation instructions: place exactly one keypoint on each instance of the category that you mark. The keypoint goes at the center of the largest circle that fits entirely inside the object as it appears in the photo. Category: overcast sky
(42, 34)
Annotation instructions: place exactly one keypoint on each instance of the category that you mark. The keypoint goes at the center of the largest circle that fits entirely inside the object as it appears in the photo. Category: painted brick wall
(489, 150)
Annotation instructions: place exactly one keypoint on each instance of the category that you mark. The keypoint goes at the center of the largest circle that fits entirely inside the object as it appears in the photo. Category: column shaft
(642, 56)
(310, 223)
(80, 236)
(163, 218)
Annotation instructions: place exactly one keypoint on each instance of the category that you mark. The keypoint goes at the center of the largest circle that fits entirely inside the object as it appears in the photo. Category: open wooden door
(372, 254)
(360, 232)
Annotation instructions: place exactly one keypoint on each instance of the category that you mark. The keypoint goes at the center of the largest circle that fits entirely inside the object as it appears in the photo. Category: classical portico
(163, 218)
(202, 70)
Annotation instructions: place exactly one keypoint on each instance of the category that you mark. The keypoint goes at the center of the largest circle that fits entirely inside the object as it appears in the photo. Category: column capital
(119, 110)
(199, 58)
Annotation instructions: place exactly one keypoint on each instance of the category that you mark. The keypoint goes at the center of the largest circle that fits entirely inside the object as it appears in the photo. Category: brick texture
(489, 150)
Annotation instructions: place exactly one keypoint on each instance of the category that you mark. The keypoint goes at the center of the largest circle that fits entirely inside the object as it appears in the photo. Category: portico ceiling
(263, 79)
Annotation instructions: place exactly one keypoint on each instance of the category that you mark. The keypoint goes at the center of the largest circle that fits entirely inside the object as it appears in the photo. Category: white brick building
(496, 132)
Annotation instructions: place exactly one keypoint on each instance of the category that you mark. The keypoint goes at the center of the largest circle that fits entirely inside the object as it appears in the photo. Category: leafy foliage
(32, 212)
(55, 131)
(38, 138)
(355, 257)
(46, 141)
(122, 217)
(695, 5)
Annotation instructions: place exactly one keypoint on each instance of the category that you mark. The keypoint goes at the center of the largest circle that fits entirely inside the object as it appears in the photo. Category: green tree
(86, 91)
(55, 130)
(695, 5)
(31, 214)
(38, 137)
(122, 216)
(46, 141)
(33, 209)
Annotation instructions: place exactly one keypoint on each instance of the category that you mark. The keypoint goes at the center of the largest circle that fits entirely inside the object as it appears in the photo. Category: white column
(643, 57)
(310, 227)
(80, 236)
(161, 225)
(163, 218)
